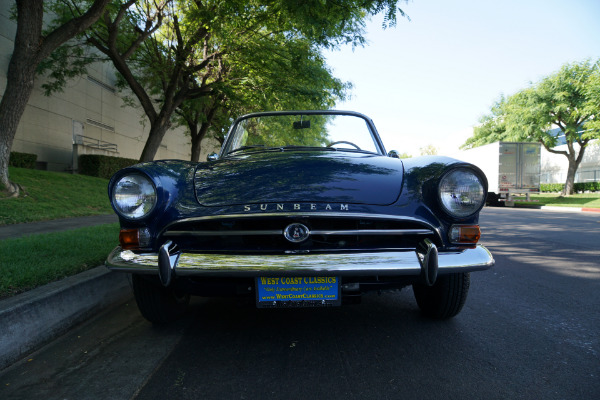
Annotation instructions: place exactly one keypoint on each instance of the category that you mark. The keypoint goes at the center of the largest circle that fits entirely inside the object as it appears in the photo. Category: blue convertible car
(299, 209)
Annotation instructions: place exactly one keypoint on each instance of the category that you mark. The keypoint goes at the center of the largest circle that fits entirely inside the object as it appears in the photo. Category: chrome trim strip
(390, 263)
(346, 215)
(365, 232)
(223, 233)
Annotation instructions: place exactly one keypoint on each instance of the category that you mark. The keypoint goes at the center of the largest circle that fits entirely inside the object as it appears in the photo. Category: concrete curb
(570, 209)
(33, 318)
(556, 208)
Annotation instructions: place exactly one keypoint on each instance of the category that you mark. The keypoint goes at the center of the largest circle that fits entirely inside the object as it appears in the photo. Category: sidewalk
(18, 230)
(31, 319)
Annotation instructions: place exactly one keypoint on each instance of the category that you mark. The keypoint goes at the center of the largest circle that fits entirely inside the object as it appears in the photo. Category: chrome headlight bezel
(462, 192)
(134, 196)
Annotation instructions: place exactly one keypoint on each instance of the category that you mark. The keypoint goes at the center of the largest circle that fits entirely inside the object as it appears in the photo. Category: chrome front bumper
(391, 263)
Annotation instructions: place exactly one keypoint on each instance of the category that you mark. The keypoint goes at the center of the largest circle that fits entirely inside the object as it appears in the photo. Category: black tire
(158, 304)
(445, 298)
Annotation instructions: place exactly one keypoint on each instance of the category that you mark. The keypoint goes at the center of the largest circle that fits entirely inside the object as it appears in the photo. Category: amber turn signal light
(468, 234)
(129, 239)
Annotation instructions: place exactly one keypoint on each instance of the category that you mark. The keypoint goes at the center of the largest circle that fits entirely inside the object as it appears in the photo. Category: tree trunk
(19, 83)
(158, 129)
(574, 161)
(29, 50)
(18, 89)
(197, 141)
(198, 136)
(570, 183)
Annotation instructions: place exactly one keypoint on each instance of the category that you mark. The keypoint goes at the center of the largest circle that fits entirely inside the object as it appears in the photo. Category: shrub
(591, 186)
(22, 160)
(552, 187)
(579, 187)
(102, 166)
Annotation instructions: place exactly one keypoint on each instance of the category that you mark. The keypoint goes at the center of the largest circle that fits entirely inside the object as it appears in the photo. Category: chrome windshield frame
(375, 135)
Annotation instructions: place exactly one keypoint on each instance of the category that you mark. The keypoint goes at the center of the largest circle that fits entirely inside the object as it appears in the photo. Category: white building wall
(89, 106)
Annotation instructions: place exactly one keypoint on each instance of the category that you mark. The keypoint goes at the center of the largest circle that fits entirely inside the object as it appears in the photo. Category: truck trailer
(512, 168)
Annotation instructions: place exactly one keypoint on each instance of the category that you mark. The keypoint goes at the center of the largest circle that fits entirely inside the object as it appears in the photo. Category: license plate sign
(315, 291)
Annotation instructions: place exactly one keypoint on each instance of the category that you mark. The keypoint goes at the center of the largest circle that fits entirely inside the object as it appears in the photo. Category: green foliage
(222, 57)
(36, 260)
(587, 200)
(22, 160)
(280, 131)
(274, 73)
(552, 187)
(579, 187)
(102, 166)
(429, 150)
(568, 99)
(492, 127)
(65, 63)
(70, 59)
(52, 195)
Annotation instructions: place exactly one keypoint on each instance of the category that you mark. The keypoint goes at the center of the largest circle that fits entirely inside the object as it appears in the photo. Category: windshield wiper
(296, 147)
(319, 148)
(246, 148)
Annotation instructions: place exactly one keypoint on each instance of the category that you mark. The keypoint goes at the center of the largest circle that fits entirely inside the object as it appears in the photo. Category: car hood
(299, 176)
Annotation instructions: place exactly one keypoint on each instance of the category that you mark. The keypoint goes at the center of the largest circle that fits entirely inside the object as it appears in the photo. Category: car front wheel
(158, 304)
(445, 298)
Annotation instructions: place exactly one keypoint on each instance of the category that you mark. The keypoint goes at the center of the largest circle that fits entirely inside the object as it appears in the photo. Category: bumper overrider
(425, 262)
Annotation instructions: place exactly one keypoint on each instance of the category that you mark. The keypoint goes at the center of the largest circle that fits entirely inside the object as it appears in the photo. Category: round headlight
(461, 192)
(134, 196)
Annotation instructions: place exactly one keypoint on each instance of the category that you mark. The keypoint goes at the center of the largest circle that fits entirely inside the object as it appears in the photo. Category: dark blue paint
(296, 176)
(368, 183)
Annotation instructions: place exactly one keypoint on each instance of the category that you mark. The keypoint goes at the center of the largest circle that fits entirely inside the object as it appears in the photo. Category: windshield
(328, 131)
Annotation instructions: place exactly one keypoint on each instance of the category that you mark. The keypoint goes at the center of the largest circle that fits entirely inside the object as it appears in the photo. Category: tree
(170, 52)
(568, 100)
(429, 150)
(32, 46)
(271, 73)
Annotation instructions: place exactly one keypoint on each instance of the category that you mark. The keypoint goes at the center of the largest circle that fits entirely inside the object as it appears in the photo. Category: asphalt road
(529, 330)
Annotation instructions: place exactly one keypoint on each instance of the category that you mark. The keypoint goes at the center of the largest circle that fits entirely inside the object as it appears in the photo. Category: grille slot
(262, 234)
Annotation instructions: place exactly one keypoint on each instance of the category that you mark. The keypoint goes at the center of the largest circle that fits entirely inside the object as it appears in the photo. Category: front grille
(264, 234)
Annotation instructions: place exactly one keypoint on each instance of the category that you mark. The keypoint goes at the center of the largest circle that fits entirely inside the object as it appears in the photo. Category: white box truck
(510, 167)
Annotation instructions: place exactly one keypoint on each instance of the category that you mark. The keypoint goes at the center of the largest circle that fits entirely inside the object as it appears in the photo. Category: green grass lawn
(587, 200)
(52, 195)
(35, 260)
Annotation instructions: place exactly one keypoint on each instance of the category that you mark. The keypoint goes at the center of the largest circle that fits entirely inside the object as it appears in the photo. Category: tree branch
(70, 29)
(551, 150)
(581, 151)
(148, 30)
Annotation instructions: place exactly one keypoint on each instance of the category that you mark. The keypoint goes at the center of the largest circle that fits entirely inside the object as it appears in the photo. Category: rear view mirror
(301, 124)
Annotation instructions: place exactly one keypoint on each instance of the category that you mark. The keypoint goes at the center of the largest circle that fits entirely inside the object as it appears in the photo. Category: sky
(427, 81)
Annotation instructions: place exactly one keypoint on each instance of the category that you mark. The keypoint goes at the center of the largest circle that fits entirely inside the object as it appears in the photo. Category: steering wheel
(344, 142)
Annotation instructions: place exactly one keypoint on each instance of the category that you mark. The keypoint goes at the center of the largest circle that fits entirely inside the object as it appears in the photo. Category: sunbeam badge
(296, 233)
